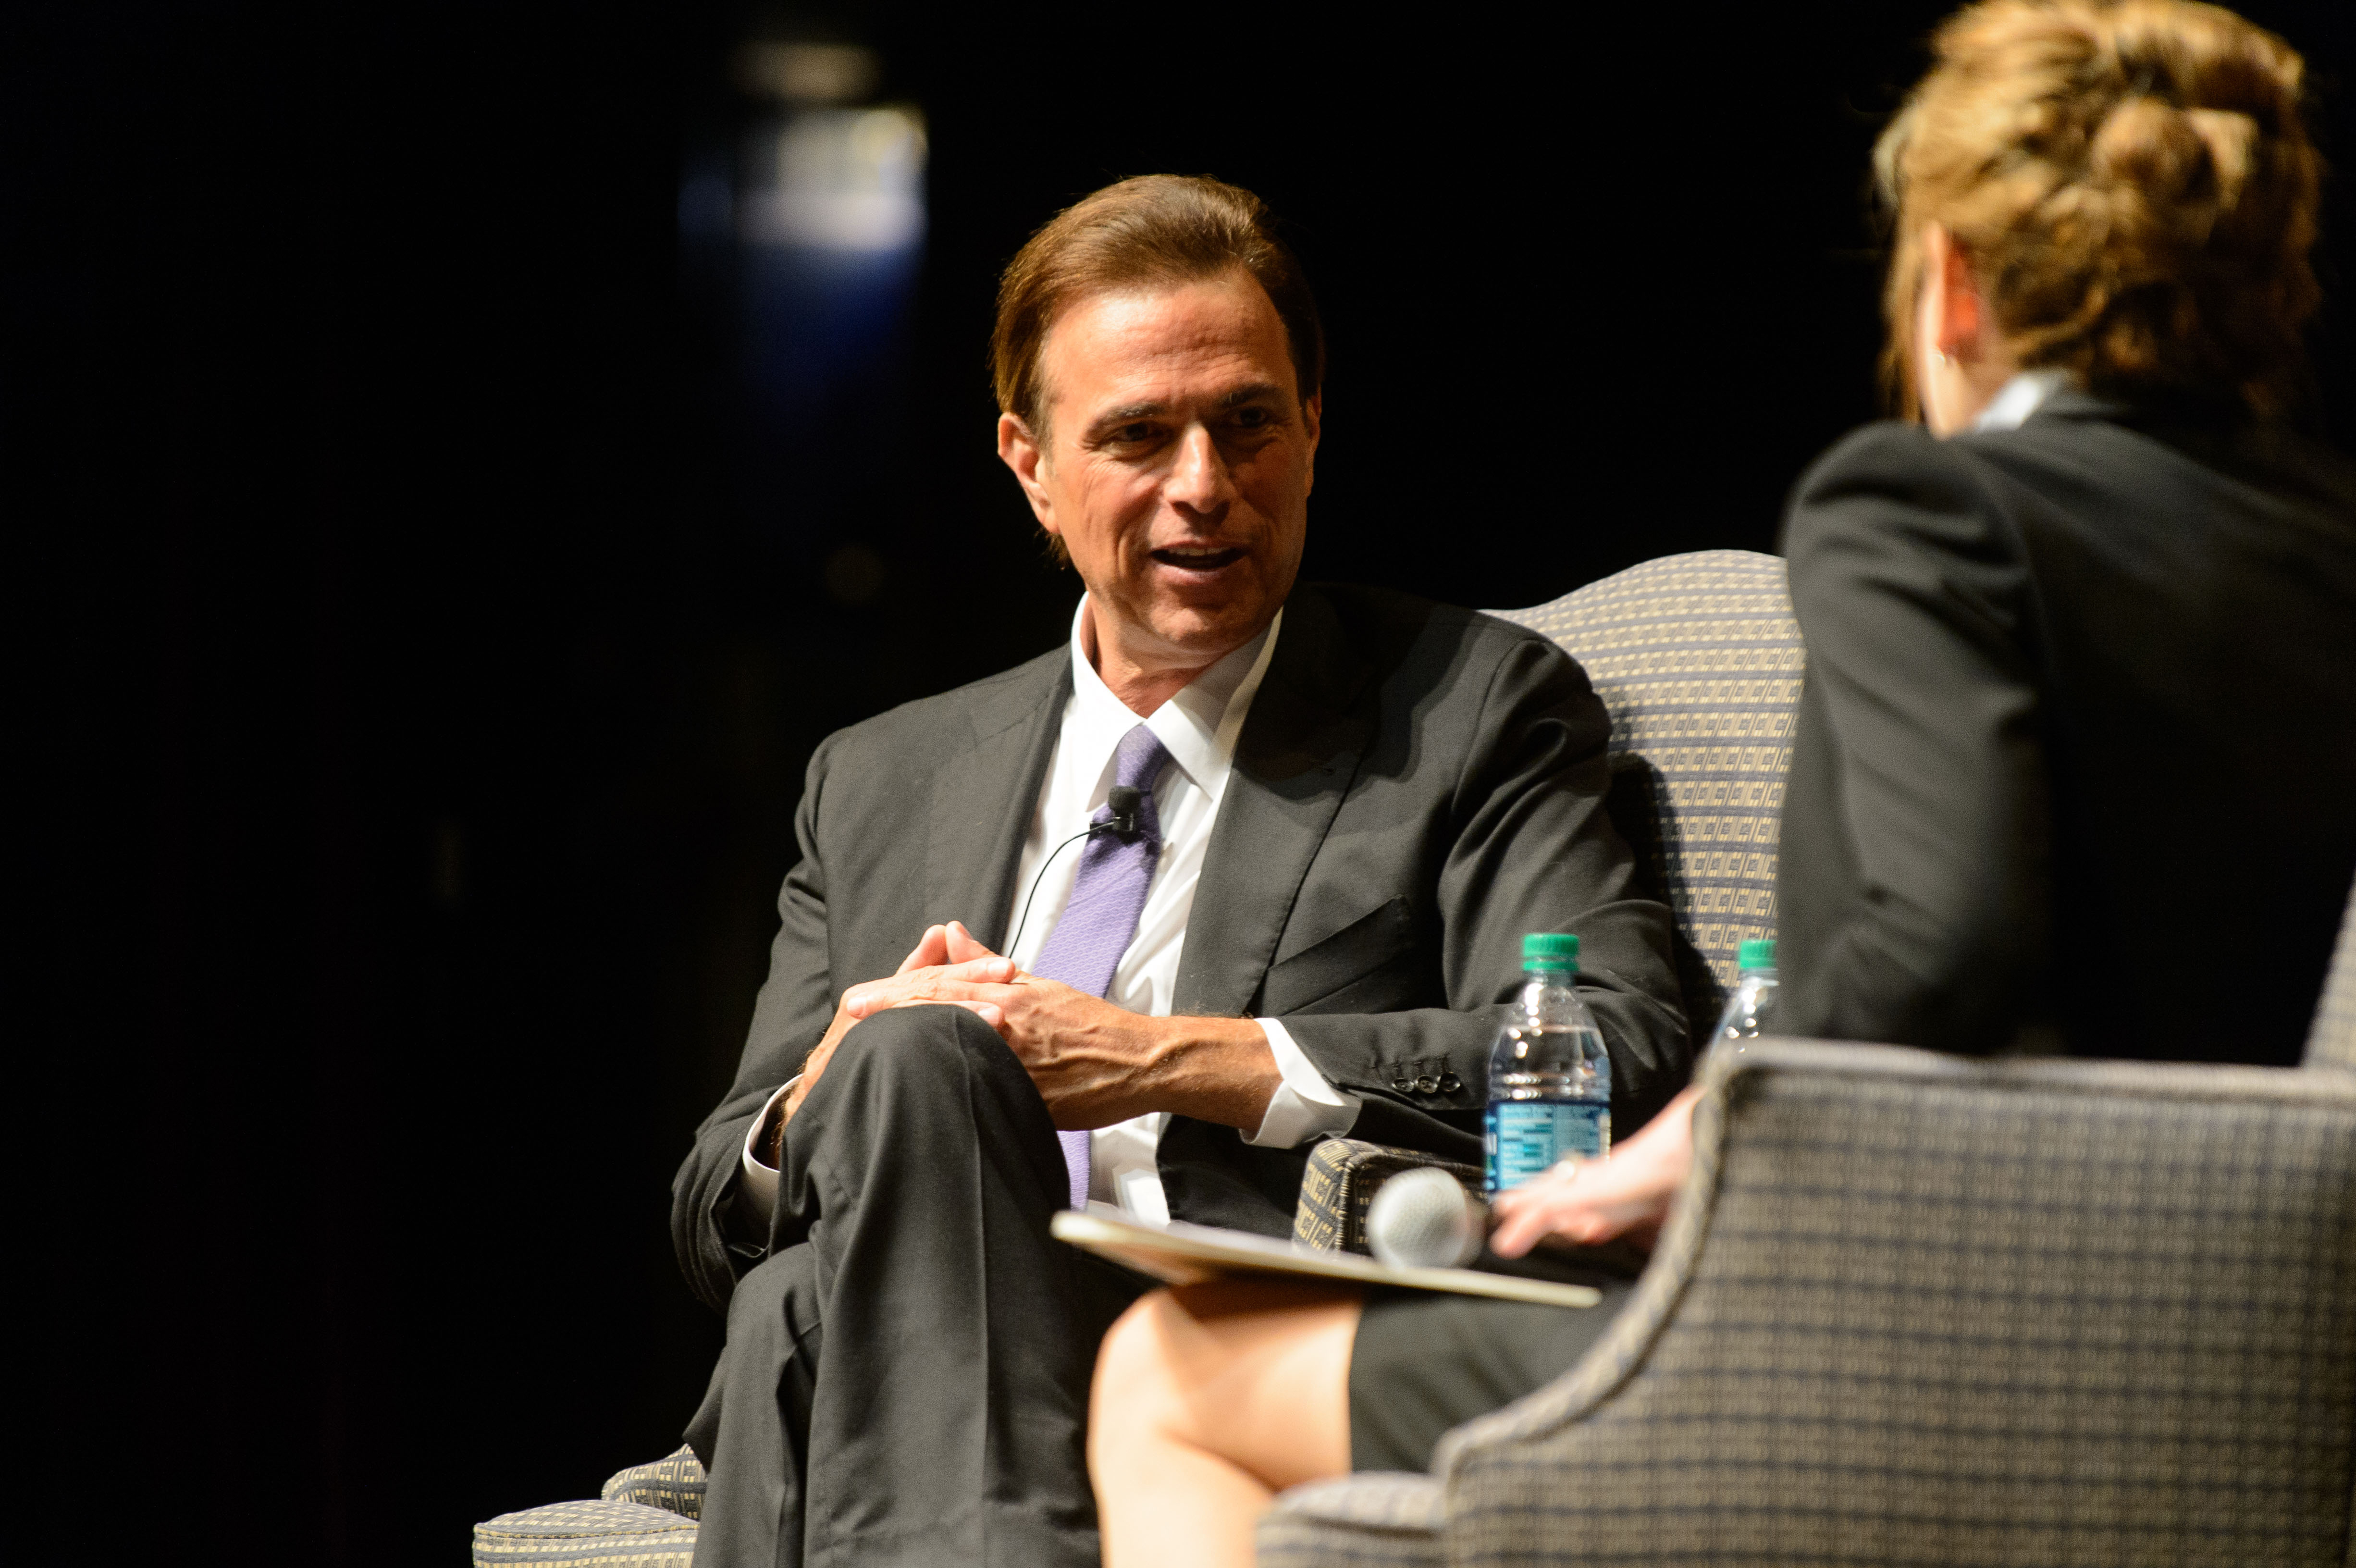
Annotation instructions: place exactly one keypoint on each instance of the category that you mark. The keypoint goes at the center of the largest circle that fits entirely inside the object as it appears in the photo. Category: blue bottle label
(1527, 1136)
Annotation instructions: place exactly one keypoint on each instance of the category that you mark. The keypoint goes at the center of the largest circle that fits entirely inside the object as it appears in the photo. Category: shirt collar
(1198, 726)
(2019, 398)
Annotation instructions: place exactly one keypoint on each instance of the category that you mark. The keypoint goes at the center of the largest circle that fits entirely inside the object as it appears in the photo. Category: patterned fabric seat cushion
(592, 1533)
(1698, 660)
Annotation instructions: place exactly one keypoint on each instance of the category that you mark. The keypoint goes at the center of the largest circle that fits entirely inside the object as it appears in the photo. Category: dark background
(419, 630)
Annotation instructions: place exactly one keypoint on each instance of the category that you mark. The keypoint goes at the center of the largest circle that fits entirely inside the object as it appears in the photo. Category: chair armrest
(1356, 1521)
(1342, 1177)
(674, 1483)
(1910, 1280)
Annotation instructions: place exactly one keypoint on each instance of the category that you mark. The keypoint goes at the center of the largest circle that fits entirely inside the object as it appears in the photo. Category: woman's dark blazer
(2075, 767)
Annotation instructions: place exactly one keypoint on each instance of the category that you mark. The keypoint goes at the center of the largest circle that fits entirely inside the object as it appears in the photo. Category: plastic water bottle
(1549, 1079)
(1750, 1011)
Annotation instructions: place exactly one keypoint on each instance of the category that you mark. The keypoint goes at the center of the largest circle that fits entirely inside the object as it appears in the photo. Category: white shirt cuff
(760, 1184)
(1304, 1105)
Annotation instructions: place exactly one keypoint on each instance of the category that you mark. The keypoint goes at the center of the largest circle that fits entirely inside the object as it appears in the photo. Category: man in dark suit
(1312, 824)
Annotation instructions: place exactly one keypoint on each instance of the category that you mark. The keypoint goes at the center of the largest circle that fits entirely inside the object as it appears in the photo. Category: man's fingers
(934, 983)
(941, 945)
(931, 951)
(988, 967)
(957, 992)
(961, 946)
(989, 1013)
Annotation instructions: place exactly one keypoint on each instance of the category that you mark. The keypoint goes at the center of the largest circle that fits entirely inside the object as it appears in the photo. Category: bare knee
(1135, 1393)
(1256, 1372)
(1181, 1362)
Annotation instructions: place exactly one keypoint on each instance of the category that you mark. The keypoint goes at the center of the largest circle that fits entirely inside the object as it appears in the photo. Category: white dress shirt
(1198, 727)
(2019, 398)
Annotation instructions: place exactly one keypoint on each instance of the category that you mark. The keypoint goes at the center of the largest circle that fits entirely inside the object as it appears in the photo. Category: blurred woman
(2075, 770)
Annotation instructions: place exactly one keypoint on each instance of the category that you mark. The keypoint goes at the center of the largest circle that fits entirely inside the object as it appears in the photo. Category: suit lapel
(984, 798)
(1294, 761)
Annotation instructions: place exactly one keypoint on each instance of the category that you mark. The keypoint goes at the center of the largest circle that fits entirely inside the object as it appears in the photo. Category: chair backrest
(1698, 660)
(2332, 1041)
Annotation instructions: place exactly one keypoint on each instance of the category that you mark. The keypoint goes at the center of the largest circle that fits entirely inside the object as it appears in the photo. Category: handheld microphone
(1124, 801)
(1423, 1219)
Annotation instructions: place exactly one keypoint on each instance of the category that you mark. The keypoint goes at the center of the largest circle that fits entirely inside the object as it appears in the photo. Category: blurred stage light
(810, 233)
(841, 179)
(807, 73)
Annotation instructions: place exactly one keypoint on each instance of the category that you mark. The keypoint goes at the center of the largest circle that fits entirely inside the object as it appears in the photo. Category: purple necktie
(1085, 947)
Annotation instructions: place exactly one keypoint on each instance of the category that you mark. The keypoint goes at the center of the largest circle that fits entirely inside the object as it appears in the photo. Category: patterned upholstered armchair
(1918, 1310)
(1698, 661)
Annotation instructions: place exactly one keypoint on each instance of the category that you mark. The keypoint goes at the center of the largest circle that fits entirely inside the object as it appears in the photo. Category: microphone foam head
(1423, 1219)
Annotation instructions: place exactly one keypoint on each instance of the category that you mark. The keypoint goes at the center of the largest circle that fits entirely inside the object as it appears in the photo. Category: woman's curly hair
(2131, 183)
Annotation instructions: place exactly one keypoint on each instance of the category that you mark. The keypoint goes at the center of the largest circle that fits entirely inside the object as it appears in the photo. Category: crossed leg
(905, 1379)
(1208, 1401)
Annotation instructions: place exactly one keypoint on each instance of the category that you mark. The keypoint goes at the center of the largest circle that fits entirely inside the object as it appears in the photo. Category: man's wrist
(768, 1139)
(1214, 1070)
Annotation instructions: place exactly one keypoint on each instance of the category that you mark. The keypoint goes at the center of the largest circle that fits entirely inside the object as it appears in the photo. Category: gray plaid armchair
(1923, 1311)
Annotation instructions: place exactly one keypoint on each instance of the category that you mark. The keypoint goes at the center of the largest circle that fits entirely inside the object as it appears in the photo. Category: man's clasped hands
(1096, 1064)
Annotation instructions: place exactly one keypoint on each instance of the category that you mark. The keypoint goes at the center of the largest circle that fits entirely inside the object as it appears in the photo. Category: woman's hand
(1591, 1202)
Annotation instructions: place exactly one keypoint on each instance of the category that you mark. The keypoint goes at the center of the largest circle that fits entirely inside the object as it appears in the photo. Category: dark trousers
(906, 1374)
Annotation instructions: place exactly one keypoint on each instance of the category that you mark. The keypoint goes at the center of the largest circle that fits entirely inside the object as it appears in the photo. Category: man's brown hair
(2131, 182)
(1156, 228)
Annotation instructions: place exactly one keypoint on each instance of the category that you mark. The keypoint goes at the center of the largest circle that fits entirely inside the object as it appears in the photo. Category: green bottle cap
(1758, 952)
(1551, 949)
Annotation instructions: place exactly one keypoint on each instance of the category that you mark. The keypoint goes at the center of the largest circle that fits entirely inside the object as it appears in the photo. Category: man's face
(1177, 464)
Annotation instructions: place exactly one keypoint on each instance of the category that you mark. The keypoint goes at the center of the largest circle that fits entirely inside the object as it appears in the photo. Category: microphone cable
(1125, 800)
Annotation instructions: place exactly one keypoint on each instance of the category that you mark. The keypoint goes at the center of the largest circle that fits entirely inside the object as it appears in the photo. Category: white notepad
(1181, 1254)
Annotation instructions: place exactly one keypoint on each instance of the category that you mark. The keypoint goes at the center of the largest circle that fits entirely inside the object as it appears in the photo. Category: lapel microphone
(1124, 801)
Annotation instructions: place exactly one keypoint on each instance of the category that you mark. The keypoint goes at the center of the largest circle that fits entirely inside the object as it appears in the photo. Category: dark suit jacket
(1416, 787)
(2076, 759)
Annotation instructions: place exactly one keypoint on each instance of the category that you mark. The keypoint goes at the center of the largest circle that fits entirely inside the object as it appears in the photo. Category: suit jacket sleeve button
(1427, 1084)
(1402, 1084)
(1450, 1083)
